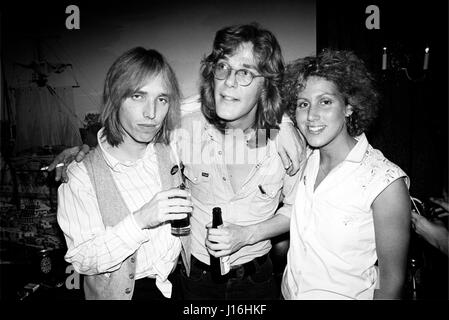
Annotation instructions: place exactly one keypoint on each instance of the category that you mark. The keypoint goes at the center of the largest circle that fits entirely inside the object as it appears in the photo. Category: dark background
(412, 127)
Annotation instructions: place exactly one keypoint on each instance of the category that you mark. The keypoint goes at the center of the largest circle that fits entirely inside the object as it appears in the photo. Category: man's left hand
(291, 147)
(225, 240)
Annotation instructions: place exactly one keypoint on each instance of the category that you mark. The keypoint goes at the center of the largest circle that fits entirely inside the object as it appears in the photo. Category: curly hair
(270, 64)
(128, 73)
(348, 73)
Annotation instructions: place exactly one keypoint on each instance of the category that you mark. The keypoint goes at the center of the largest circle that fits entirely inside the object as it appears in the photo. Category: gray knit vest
(119, 285)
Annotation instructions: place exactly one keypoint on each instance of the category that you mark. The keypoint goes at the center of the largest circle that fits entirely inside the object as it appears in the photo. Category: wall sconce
(426, 59)
(396, 60)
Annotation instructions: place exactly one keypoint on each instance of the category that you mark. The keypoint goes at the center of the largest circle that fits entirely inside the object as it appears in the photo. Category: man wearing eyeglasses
(231, 161)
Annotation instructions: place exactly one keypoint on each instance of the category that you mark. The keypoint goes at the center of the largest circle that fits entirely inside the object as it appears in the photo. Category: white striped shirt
(94, 249)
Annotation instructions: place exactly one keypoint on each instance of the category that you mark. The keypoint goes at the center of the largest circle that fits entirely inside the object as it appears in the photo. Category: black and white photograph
(217, 158)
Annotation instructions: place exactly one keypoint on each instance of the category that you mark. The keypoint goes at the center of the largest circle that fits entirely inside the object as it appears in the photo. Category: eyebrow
(328, 94)
(145, 93)
(245, 65)
(250, 66)
(140, 92)
(322, 94)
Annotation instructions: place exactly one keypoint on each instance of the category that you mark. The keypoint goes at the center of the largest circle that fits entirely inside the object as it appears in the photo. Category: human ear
(348, 110)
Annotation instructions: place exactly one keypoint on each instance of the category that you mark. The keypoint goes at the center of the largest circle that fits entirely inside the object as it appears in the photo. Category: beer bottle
(215, 263)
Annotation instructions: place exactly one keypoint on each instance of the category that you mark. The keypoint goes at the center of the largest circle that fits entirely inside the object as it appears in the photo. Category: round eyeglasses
(243, 77)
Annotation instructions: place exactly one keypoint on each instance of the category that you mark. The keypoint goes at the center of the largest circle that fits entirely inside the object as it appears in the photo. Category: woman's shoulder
(381, 167)
(375, 158)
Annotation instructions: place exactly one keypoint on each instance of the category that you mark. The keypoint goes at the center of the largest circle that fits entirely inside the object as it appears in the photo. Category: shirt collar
(216, 135)
(358, 152)
(113, 162)
(212, 132)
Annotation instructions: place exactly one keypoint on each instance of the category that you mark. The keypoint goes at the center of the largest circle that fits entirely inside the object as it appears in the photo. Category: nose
(150, 110)
(312, 113)
(230, 79)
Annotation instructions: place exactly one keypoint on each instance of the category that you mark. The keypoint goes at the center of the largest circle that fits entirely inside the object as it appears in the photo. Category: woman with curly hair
(349, 230)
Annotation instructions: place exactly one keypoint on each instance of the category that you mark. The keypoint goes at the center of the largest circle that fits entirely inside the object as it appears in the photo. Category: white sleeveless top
(332, 251)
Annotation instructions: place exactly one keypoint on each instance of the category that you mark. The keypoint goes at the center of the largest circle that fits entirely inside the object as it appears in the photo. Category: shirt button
(127, 290)
(133, 260)
(219, 152)
(131, 276)
(224, 178)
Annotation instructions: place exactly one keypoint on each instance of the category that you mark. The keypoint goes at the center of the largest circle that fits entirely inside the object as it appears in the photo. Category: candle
(426, 59)
(384, 59)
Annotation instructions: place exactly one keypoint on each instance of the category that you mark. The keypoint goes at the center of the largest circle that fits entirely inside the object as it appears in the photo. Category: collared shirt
(94, 249)
(201, 150)
(332, 251)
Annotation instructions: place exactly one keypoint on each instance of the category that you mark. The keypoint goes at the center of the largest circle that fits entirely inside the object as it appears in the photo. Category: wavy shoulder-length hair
(270, 64)
(347, 72)
(128, 74)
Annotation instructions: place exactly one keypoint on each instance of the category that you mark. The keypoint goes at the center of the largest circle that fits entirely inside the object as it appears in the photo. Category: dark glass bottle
(215, 266)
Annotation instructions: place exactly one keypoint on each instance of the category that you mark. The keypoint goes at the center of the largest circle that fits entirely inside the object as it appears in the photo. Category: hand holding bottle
(227, 239)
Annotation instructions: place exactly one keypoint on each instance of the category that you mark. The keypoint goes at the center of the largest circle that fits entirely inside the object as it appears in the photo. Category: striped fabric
(94, 249)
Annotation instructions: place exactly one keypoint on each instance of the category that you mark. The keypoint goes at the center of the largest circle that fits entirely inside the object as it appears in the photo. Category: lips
(146, 125)
(315, 129)
(228, 97)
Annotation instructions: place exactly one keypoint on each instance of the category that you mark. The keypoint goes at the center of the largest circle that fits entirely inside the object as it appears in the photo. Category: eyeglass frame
(236, 72)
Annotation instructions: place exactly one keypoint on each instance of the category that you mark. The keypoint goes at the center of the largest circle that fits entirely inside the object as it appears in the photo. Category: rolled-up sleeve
(92, 247)
(290, 185)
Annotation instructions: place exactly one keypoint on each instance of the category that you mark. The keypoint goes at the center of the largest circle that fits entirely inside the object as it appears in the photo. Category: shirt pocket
(199, 182)
(190, 175)
(267, 192)
(265, 200)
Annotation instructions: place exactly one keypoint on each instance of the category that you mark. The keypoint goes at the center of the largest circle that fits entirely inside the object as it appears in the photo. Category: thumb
(82, 153)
